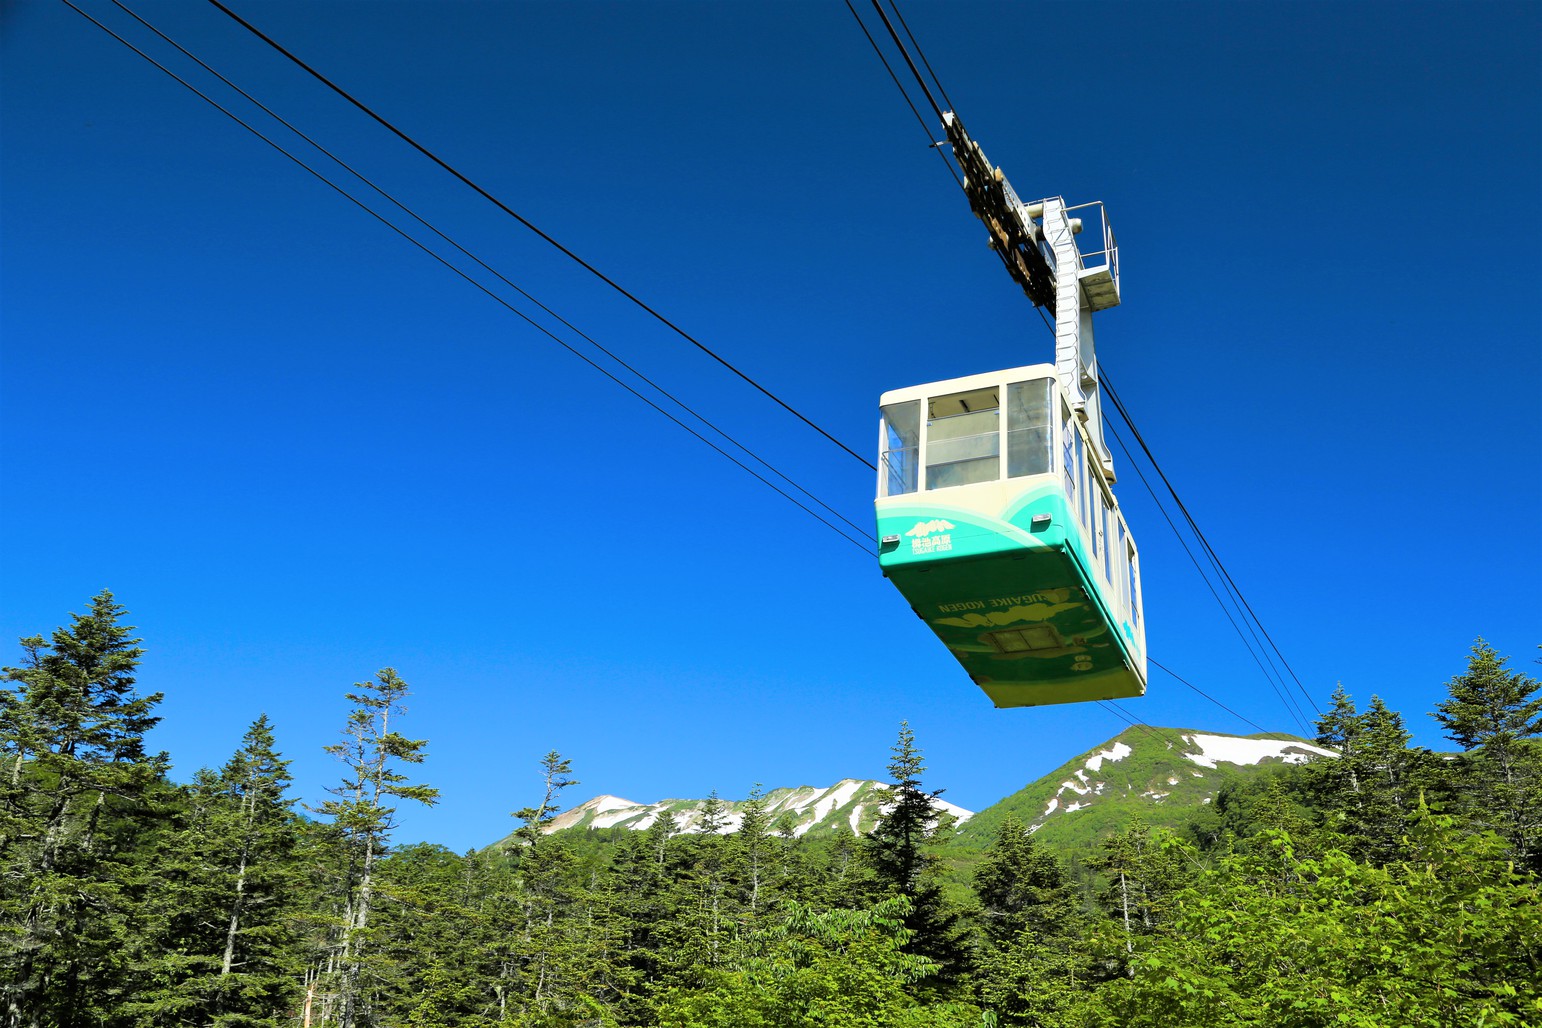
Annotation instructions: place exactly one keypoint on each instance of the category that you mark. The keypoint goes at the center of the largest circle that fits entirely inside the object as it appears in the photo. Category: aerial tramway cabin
(996, 513)
(997, 522)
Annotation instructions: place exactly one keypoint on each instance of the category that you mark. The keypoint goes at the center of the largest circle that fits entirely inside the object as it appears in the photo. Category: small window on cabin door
(963, 438)
(1028, 428)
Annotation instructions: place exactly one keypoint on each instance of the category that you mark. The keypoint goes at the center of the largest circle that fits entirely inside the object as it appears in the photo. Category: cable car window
(963, 438)
(1090, 515)
(1068, 454)
(1108, 562)
(1028, 428)
(1081, 480)
(901, 444)
(1134, 589)
(1124, 569)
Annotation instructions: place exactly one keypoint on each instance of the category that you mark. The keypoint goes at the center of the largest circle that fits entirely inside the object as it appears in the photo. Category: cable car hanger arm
(1013, 233)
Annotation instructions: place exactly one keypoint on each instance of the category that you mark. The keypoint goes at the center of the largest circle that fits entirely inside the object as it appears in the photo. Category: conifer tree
(1496, 716)
(75, 802)
(556, 776)
(899, 852)
(708, 882)
(364, 816)
(1142, 870)
(1339, 730)
(1022, 888)
(1031, 950)
(660, 833)
(551, 892)
(1368, 794)
(753, 839)
(433, 941)
(643, 906)
(220, 949)
(1492, 710)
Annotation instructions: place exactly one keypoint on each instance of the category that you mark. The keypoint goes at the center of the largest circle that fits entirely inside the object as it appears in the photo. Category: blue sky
(299, 450)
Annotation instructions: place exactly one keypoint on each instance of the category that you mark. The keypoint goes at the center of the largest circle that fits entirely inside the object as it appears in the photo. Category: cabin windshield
(962, 437)
(1029, 434)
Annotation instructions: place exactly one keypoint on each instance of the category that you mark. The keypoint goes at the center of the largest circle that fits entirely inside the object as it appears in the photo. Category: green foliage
(1496, 716)
(901, 852)
(1031, 951)
(1386, 886)
(757, 853)
(1369, 795)
(220, 946)
(557, 775)
(842, 968)
(76, 797)
(1491, 708)
(1153, 782)
(1448, 934)
(1022, 888)
(1142, 872)
(362, 818)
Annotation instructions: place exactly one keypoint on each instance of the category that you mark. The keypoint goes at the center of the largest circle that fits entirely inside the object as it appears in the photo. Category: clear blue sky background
(299, 450)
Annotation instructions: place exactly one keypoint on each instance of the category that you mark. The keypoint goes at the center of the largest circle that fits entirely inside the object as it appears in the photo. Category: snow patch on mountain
(852, 802)
(1118, 751)
(1214, 749)
(958, 813)
(837, 797)
(1182, 768)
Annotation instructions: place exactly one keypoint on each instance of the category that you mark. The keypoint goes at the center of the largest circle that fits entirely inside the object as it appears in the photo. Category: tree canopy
(1386, 885)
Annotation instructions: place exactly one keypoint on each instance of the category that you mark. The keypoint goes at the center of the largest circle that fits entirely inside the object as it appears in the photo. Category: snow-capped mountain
(1133, 774)
(851, 803)
(1145, 772)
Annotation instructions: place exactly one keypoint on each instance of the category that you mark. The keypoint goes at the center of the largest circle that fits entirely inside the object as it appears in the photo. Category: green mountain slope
(1159, 775)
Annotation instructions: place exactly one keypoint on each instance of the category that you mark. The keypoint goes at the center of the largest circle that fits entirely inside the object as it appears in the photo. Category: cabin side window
(901, 447)
(1080, 498)
(1107, 537)
(1068, 454)
(1134, 586)
(1091, 518)
(1122, 571)
(963, 438)
(1029, 434)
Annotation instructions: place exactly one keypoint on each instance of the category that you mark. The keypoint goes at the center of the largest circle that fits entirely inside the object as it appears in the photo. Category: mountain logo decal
(926, 528)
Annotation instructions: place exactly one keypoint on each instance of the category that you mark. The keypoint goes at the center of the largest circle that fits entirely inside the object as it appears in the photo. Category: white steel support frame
(1076, 362)
(1020, 234)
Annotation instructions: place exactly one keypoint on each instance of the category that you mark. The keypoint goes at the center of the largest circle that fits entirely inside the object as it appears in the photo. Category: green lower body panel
(1012, 602)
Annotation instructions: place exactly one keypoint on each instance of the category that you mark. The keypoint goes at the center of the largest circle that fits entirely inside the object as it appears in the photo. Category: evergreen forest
(1389, 886)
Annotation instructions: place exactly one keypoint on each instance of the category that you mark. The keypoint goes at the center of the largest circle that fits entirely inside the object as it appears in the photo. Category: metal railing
(1108, 256)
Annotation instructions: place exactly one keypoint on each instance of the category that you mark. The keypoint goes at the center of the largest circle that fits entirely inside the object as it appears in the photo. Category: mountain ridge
(1159, 775)
(1153, 773)
(852, 804)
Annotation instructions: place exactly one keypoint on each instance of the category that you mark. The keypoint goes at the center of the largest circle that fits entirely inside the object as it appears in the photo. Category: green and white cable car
(996, 514)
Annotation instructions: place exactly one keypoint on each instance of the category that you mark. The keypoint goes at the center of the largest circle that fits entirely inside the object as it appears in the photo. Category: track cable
(506, 209)
(866, 547)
